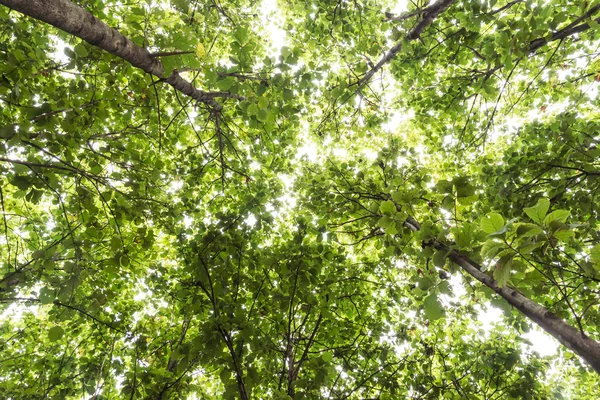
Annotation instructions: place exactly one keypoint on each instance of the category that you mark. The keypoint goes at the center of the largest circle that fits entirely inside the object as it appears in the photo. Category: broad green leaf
(225, 84)
(492, 223)
(124, 261)
(490, 248)
(563, 235)
(263, 102)
(55, 333)
(502, 304)
(200, 50)
(538, 212)
(444, 287)
(288, 94)
(38, 254)
(401, 216)
(252, 109)
(262, 115)
(528, 247)
(439, 258)
(399, 197)
(385, 222)
(22, 182)
(46, 295)
(525, 230)
(556, 215)
(502, 271)
(80, 50)
(225, 375)
(425, 283)
(391, 230)
(432, 307)
(115, 243)
(387, 207)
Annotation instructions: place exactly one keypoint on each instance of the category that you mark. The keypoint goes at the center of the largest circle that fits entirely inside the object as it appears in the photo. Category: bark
(69, 17)
(573, 28)
(573, 339)
(429, 14)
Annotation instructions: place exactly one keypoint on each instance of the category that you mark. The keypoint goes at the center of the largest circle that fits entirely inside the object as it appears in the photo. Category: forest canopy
(299, 199)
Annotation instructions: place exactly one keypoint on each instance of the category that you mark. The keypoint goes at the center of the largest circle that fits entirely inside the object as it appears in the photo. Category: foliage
(152, 249)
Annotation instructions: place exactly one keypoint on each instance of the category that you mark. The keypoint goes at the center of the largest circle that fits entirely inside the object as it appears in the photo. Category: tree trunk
(69, 17)
(583, 346)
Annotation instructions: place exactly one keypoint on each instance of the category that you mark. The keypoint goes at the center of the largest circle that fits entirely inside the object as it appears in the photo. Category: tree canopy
(299, 199)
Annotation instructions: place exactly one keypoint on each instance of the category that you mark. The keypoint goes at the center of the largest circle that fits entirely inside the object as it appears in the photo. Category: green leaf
(241, 34)
(503, 305)
(38, 254)
(399, 197)
(225, 84)
(252, 109)
(490, 248)
(439, 258)
(285, 52)
(557, 215)
(46, 295)
(387, 207)
(595, 254)
(263, 102)
(492, 223)
(433, 308)
(20, 181)
(563, 235)
(385, 222)
(115, 243)
(124, 261)
(80, 50)
(502, 271)
(444, 287)
(391, 230)
(262, 115)
(55, 333)
(525, 230)
(225, 375)
(528, 247)
(538, 212)
(425, 283)
(200, 50)
(288, 94)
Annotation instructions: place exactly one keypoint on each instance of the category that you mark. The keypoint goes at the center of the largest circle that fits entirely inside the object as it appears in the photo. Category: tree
(188, 212)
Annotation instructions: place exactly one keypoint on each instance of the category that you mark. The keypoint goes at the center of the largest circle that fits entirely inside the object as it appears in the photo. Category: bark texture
(573, 339)
(69, 17)
(575, 27)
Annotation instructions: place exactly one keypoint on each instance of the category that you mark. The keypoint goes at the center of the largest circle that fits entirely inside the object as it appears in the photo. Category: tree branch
(567, 31)
(570, 337)
(429, 15)
(69, 17)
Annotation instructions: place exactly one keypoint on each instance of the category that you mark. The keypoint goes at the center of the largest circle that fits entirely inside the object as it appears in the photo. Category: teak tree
(232, 200)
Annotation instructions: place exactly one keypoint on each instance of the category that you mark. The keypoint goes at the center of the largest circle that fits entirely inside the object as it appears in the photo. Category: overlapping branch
(428, 14)
(570, 337)
(577, 26)
(574, 339)
(69, 17)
